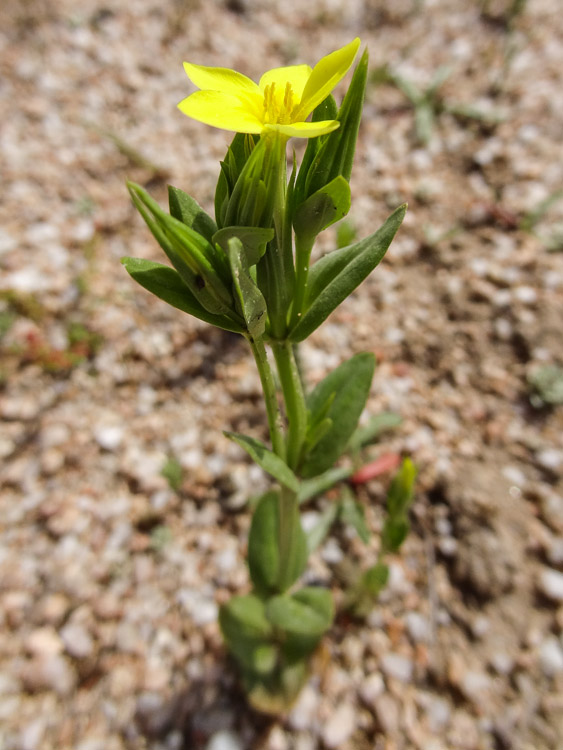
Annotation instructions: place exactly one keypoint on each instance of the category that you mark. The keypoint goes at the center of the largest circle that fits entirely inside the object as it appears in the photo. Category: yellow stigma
(278, 111)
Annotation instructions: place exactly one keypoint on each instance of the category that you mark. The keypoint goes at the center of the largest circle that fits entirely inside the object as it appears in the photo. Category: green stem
(270, 397)
(294, 398)
(287, 540)
(302, 258)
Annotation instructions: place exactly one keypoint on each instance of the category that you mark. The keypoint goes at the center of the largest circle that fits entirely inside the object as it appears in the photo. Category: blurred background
(123, 510)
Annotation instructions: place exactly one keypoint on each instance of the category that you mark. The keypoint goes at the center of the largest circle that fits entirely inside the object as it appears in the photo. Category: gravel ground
(110, 574)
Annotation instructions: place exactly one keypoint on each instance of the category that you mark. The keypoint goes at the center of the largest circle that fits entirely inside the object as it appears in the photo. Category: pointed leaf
(348, 386)
(316, 485)
(336, 275)
(187, 210)
(166, 283)
(270, 462)
(401, 490)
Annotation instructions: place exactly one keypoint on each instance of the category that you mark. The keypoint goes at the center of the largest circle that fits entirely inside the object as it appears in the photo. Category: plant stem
(270, 397)
(294, 398)
(302, 258)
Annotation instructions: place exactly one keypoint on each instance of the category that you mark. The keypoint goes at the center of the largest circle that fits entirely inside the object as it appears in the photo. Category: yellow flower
(280, 102)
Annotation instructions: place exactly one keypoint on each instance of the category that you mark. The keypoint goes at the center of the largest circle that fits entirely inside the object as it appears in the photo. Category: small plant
(248, 270)
(429, 104)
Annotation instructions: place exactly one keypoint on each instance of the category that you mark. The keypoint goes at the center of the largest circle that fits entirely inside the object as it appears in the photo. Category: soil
(111, 573)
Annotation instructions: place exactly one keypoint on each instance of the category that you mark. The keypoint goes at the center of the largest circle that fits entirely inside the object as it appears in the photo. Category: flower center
(278, 109)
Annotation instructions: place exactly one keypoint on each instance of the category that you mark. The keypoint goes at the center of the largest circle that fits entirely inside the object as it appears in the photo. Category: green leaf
(370, 432)
(251, 302)
(394, 533)
(401, 490)
(270, 462)
(314, 486)
(375, 578)
(247, 632)
(253, 239)
(236, 157)
(336, 275)
(309, 611)
(166, 283)
(348, 386)
(187, 210)
(264, 547)
(203, 268)
(328, 205)
(319, 532)
(353, 513)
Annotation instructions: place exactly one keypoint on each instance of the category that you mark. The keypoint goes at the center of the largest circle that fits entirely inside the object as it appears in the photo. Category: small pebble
(551, 584)
(78, 641)
(371, 688)
(224, 740)
(304, 711)
(340, 726)
(397, 666)
(418, 627)
(551, 657)
(387, 712)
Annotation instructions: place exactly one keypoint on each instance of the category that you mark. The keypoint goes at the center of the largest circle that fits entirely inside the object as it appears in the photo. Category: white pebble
(551, 584)
(109, 437)
(555, 551)
(475, 686)
(418, 627)
(371, 688)
(224, 740)
(550, 459)
(78, 641)
(44, 642)
(397, 666)
(387, 712)
(551, 657)
(339, 726)
(304, 712)
(526, 294)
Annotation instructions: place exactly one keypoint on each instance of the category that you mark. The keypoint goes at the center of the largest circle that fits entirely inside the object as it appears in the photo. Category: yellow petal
(296, 75)
(304, 129)
(221, 111)
(325, 76)
(221, 79)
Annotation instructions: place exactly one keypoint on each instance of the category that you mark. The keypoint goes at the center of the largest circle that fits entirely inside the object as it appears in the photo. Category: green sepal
(264, 547)
(187, 210)
(251, 302)
(166, 283)
(327, 110)
(333, 278)
(247, 632)
(202, 267)
(308, 612)
(336, 155)
(253, 239)
(236, 157)
(326, 206)
(348, 387)
(266, 459)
